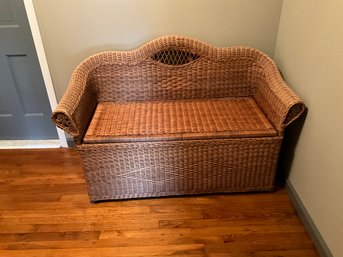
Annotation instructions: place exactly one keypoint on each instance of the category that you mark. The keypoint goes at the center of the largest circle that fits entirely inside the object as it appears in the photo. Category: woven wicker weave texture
(177, 116)
(146, 169)
(181, 119)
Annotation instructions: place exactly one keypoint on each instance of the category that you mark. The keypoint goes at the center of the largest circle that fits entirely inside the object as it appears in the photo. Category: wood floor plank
(283, 253)
(134, 251)
(238, 220)
(45, 211)
(208, 231)
(76, 244)
(133, 224)
(49, 236)
(51, 219)
(136, 224)
(221, 243)
(105, 211)
(279, 253)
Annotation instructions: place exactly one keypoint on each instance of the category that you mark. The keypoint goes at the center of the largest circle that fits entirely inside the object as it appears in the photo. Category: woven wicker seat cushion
(173, 120)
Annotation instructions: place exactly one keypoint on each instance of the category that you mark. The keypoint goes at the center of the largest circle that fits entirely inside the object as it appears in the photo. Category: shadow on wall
(291, 137)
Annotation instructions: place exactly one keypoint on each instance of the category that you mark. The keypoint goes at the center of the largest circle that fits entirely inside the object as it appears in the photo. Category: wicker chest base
(151, 169)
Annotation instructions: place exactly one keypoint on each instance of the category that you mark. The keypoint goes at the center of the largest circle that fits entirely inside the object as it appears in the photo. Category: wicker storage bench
(177, 116)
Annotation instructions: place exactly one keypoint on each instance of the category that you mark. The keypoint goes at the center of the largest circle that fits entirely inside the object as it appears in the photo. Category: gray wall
(309, 51)
(73, 30)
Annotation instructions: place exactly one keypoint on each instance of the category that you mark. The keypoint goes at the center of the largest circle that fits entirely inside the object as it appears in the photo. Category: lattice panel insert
(174, 57)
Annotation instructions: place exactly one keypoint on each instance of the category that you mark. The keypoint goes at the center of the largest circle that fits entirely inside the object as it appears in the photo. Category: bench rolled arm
(293, 113)
(74, 111)
(280, 104)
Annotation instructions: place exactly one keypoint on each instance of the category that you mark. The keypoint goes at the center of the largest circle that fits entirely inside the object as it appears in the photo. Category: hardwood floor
(45, 211)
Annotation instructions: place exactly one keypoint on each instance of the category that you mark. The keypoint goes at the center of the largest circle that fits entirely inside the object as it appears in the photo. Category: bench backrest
(175, 67)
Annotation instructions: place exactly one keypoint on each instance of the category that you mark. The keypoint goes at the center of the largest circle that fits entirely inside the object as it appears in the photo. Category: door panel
(24, 106)
(7, 17)
(28, 96)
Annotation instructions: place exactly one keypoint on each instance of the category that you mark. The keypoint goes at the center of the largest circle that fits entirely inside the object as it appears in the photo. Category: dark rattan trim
(294, 112)
(62, 121)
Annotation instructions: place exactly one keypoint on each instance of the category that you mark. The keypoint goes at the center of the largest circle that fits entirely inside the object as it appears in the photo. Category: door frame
(37, 39)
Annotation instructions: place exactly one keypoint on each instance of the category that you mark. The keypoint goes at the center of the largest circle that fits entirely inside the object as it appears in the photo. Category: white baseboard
(26, 144)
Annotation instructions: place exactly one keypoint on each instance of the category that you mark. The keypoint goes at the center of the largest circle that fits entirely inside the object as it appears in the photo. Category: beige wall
(309, 51)
(73, 30)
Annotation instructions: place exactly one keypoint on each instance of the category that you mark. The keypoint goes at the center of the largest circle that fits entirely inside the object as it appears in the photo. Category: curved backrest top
(174, 67)
(175, 50)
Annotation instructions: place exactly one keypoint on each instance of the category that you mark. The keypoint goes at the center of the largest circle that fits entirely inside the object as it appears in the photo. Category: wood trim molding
(31, 15)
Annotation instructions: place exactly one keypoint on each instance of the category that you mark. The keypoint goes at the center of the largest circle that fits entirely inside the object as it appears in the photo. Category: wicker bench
(177, 116)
